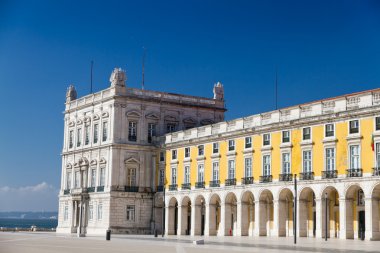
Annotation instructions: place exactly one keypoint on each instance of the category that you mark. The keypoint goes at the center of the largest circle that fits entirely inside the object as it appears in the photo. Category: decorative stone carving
(118, 77)
(218, 91)
(71, 94)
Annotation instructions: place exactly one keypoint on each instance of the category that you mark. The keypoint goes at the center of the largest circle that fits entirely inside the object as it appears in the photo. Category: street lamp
(326, 208)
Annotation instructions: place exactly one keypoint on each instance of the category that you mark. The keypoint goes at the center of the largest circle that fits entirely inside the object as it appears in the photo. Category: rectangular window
(79, 137)
(131, 177)
(170, 127)
(102, 177)
(87, 135)
(231, 169)
(306, 133)
(215, 148)
(66, 213)
(174, 154)
(93, 177)
(100, 211)
(201, 173)
(285, 136)
(248, 142)
(377, 123)
(90, 212)
(187, 175)
(248, 167)
(201, 150)
(77, 179)
(187, 152)
(132, 131)
(68, 180)
(354, 126)
(162, 157)
(266, 140)
(105, 131)
(354, 157)
(215, 171)
(285, 163)
(162, 176)
(231, 145)
(307, 161)
(174, 176)
(329, 130)
(266, 165)
(130, 213)
(96, 133)
(71, 139)
(330, 159)
(151, 131)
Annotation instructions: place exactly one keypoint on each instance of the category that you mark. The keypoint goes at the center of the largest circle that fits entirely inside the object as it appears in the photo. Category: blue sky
(321, 49)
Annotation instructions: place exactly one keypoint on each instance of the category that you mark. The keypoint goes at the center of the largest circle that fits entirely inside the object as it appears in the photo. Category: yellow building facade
(238, 177)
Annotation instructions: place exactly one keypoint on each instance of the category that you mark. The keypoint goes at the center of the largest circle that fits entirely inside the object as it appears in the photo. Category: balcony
(132, 138)
(326, 174)
(285, 177)
(131, 188)
(200, 185)
(307, 175)
(173, 187)
(160, 188)
(354, 172)
(66, 192)
(100, 188)
(90, 189)
(266, 179)
(230, 181)
(247, 180)
(215, 183)
(186, 186)
(376, 171)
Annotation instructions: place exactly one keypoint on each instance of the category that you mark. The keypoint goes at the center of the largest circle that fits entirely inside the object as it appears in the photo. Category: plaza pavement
(21, 242)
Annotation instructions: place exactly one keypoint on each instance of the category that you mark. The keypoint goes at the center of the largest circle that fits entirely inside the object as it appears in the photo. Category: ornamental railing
(285, 177)
(90, 189)
(199, 185)
(66, 192)
(266, 179)
(173, 187)
(307, 175)
(160, 188)
(230, 181)
(100, 188)
(247, 180)
(354, 172)
(326, 174)
(215, 183)
(376, 171)
(186, 186)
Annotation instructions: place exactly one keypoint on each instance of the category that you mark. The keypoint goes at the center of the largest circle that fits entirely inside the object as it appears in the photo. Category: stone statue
(118, 78)
(218, 91)
(71, 94)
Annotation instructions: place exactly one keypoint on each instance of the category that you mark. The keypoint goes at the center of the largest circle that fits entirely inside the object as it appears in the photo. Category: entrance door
(203, 225)
(188, 225)
(175, 219)
(361, 231)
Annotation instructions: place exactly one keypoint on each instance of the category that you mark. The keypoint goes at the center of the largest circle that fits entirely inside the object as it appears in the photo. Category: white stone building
(111, 155)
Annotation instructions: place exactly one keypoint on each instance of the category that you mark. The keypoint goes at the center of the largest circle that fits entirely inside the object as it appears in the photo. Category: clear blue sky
(321, 49)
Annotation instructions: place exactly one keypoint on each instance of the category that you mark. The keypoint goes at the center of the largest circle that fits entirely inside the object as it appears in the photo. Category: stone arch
(247, 213)
(172, 216)
(307, 215)
(333, 214)
(199, 210)
(185, 216)
(374, 224)
(214, 214)
(230, 214)
(265, 212)
(355, 212)
(285, 215)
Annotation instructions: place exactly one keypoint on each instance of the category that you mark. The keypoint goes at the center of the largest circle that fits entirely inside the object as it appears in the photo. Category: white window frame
(131, 176)
(374, 127)
(248, 140)
(105, 131)
(93, 177)
(130, 213)
(201, 150)
(201, 173)
(307, 161)
(248, 167)
(87, 135)
(269, 139)
(174, 175)
(79, 137)
(66, 212)
(303, 129)
(71, 138)
(215, 146)
(351, 157)
(187, 152)
(325, 132)
(186, 174)
(102, 177)
(286, 165)
(174, 154)
(90, 212)
(349, 126)
(333, 158)
(68, 179)
(266, 169)
(100, 211)
(377, 155)
(215, 170)
(283, 133)
(231, 169)
(231, 145)
(96, 133)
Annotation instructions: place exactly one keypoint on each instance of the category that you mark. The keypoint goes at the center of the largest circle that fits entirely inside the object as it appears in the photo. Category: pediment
(105, 115)
(68, 166)
(95, 117)
(133, 114)
(71, 123)
(79, 122)
(207, 122)
(189, 121)
(83, 162)
(170, 118)
(93, 162)
(152, 116)
(102, 161)
(131, 160)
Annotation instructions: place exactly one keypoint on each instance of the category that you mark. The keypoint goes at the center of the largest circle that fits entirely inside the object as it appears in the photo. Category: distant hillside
(28, 215)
